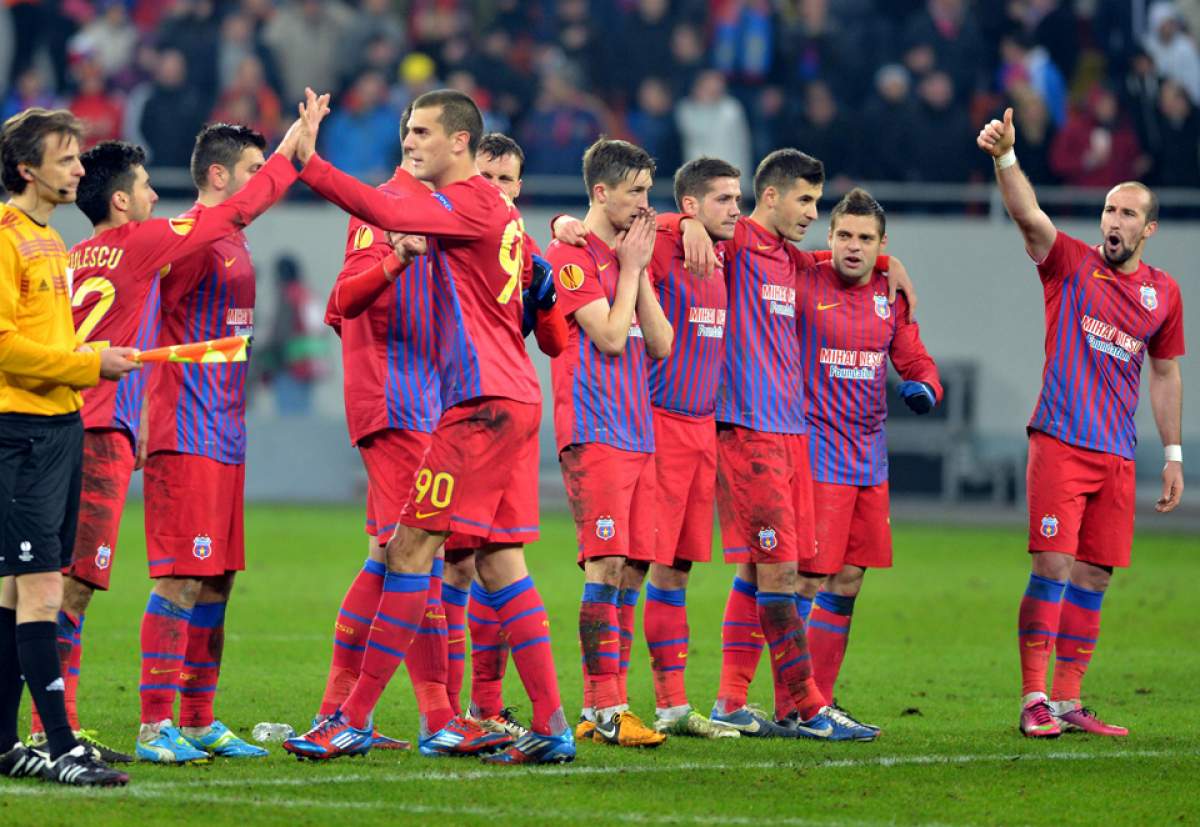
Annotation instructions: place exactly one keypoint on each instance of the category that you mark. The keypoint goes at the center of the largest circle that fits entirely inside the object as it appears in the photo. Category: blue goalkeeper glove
(919, 396)
(539, 295)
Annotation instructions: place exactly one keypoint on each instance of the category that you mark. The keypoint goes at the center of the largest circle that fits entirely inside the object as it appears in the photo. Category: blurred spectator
(1177, 153)
(1173, 49)
(173, 113)
(511, 89)
(1035, 131)
(295, 351)
(249, 100)
(943, 140)
(1113, 31)
(954, 39)
(561, 126)
(379, 54)
(814, 43)
(29, 90)
(1050, 24)
(641, 36)
(742, 42)
(1027, 64)
(305, 37)
(493, 121)
(362, 135)
(101, 111)
(892, 112)
(417, 75)
(582, 44)
(432, 22)
(109, 39)
(652, 124)
(37, 24)
(687, 58)
(1097, 147)
(240, 40)
(712, 122)
(190, 27)
(1139, 97)
(826, 133)
(375, 20)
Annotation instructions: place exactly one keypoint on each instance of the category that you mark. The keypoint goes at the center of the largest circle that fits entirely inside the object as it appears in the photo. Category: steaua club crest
(1149, 296)
(606, 528)
(202, 547)
(882, 309)
(767, 539)
(1049, 525)
(103, 557)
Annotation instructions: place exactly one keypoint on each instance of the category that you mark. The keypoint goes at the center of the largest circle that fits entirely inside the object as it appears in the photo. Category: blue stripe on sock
(396, 653)
(1084, 598)
(480, 594)
(501, 597)
(438, 569)
(395, 581)
(375, 567)
(349, 646)
(458, 657)
(803, 607)
(1045, 589)
(838, 604)
(208, 615)
(740, 623)
(775, 597)
(208, 664)
(669, 597)
(530, 642)
(197, 690)
(454, 595)
(160, 656)
(395, 621)
(482, 648)
(144, 686)
(353, 616)
(743, 647)
(745, 587)
(662, 643)
(791, 662)
(629, 597)
(441, 632)
(829, 627)
(669, 669)
(475, 619)
(600, 593)
(159, 605)
(1079, 638)
(526, 613)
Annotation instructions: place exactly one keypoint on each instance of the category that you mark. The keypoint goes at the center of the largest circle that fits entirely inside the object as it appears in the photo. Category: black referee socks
(37, 647)
(10, 680)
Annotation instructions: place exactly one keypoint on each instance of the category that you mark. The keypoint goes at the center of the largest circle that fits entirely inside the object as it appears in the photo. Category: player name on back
(99, 256)
(1110, 339)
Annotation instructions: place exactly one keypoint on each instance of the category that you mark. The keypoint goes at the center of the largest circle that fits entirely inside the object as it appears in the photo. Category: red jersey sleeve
(1167, 342)
(908, 352)
(575, 278)
(1065, 256)
(366, 246)
(160, 241)
(550, 330)
(458, 212)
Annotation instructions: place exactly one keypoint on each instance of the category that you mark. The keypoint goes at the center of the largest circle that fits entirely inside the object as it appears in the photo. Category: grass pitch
(932, 660)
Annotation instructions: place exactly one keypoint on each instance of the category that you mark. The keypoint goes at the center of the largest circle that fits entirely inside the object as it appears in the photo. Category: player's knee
(39, 597)
(1052, 565)
(847, 582)
(182, 591)
(777, 577)
(670, 578)
(634, 574)
(77, 596)
(606, 570)
(1091, 577)
(809, 583)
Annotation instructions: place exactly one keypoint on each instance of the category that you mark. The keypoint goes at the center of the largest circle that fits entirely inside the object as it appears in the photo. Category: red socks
(1078, 631)
(70, 652)
(391, 636)
(828, 635)
(350, 632)
(667, 638)
(201, 664)
(454, 602)
(600, 640)
(790, 661)
(489, 655)
(525, 625)
(627, 620)
(164, 640)
(741, 645)
(428, 661)
(1037, 625)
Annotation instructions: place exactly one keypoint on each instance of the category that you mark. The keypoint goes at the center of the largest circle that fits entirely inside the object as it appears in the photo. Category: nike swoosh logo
(603, 642)
(754, 728)
(603, 267)
(683, 655)
(1096, 274)
(820, 733)
(756, 634)
(828, 306)
(421, 515)
(1029, 644)
(766, 246)
(229, 261)
(1084, 651)
(154, 671)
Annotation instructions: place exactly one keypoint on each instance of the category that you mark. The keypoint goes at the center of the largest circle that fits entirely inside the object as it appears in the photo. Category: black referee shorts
(41, 463)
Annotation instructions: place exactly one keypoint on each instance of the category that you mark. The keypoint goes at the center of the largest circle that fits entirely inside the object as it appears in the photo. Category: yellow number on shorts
(512, 257)
(108, 293)
(438, 486)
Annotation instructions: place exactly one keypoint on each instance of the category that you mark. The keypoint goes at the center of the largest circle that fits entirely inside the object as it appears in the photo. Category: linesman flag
(228, 349)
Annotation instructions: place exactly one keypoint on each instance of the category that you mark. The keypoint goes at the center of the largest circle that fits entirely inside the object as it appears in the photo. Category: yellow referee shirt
(40, 371)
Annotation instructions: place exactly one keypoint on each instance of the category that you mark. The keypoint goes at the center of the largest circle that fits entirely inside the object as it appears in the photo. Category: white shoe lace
(840, 717)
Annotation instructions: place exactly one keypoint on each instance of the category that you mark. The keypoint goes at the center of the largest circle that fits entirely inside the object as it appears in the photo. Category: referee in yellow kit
(41, 438)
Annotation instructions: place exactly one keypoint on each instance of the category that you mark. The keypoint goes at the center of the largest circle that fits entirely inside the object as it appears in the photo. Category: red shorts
(612, 498)
(391, 458)
(1081, 502)
(685, 464)
(193, 515)
(764, 496)
(108, 460)
(480, 475)
(852, 527)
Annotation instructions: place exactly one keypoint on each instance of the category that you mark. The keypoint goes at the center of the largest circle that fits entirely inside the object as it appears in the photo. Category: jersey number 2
(108, 293)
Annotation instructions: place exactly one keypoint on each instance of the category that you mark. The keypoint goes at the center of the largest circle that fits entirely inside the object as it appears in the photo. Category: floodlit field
(932, 660)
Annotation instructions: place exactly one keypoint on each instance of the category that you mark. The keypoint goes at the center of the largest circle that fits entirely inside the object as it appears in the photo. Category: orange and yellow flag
(228, 349)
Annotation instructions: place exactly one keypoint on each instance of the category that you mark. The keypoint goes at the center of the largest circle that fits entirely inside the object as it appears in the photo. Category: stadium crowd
(1103, 89)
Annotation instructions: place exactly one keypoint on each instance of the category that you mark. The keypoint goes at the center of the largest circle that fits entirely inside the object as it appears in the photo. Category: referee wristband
(1173, 453)
(1006, 160)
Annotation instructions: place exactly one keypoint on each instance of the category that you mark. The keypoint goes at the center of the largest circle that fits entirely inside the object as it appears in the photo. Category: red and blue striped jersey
(846, 334)
(201, 408)
(477, 259)
(115, 284)
(1100, 323)
(761, 377)
(597, 398)
(389, 352)
(686, 381)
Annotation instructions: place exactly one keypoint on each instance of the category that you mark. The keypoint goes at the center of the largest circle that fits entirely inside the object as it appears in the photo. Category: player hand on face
(569, 230)
(1172, 492)
(699, 252)
(636, 245)
(312, 111)
(998, 137)
(899, 282)
(117, 362)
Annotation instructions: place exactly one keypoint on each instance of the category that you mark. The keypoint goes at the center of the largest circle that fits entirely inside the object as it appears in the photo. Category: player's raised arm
(353, 294)
(997, 138)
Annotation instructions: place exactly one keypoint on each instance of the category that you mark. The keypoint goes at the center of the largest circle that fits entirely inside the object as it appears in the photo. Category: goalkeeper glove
(919, 396)
(539, 295)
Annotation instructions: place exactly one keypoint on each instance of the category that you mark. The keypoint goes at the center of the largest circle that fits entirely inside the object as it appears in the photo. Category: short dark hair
(695, 177)
(1151, 198)
(497, 145)
(222, 143)
(859, 202)
(782, 167)
(108, 167)
(610, 161)
(23, 141)
(404, 116)
(459, 114)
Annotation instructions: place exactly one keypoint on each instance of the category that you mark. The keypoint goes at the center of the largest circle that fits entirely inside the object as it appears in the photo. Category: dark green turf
(932, 660)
